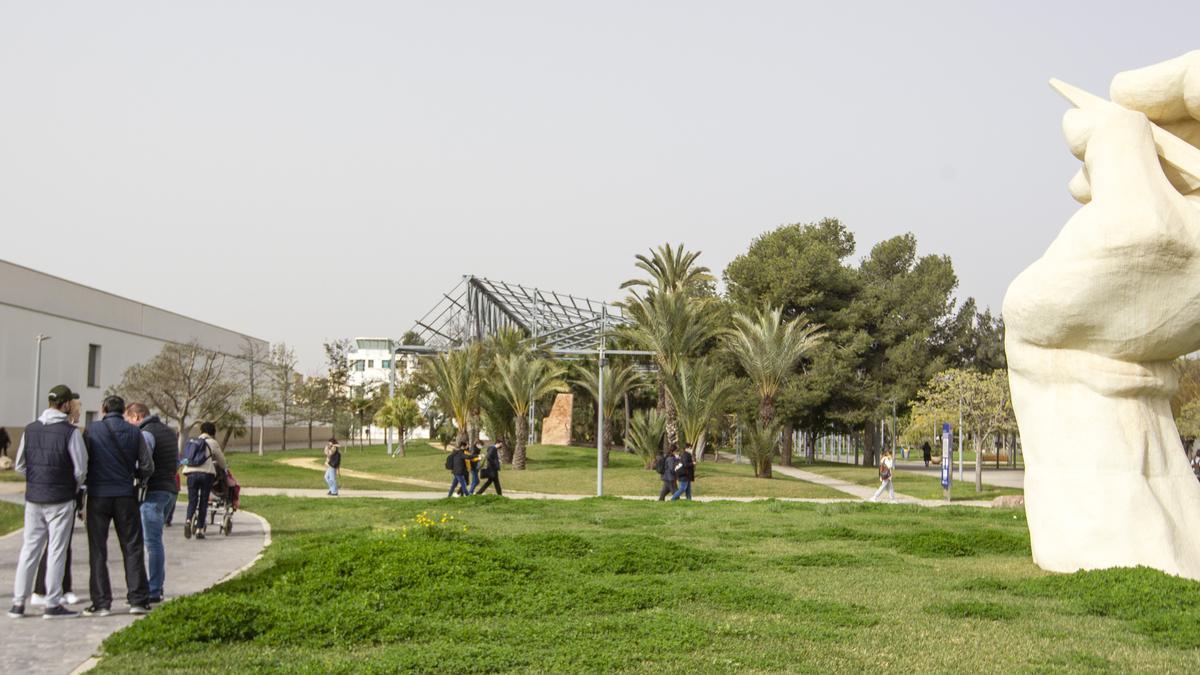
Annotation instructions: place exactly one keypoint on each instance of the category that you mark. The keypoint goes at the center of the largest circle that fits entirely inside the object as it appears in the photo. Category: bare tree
(254, 357)
(282, 369)
(183, 381)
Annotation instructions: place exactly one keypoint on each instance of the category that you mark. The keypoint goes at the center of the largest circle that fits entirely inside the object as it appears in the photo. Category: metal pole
(960, 439)
(391, 390)
(37, 376)
(600, 409)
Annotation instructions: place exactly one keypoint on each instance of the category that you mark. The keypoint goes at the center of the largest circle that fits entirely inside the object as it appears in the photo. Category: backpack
(195, 452)
(660, 466)
(450, 462)
(884, 472)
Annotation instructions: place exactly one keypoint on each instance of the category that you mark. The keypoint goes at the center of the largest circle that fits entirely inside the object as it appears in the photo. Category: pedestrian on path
(926, 453)
(457, 464)
(666, 471)
(886, 467)
(5, 441)
(117, 456)
(204, 462)
(333, 462)
(54, 460)
(474, 459)
(491, 471)
(685, 473)
(162, 491)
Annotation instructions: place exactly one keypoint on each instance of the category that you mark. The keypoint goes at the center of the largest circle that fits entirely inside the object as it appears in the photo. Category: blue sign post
(946, 459)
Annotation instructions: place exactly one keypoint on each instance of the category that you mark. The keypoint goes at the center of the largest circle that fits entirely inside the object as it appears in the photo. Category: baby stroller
(223, 500)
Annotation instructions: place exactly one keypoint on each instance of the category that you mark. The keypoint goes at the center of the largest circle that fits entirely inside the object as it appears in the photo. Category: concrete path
(317, 464)
(34, 645)
(1002, 477)
(854, 489)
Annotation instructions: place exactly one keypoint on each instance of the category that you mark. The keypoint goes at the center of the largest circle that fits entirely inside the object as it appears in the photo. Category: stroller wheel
(227, 526)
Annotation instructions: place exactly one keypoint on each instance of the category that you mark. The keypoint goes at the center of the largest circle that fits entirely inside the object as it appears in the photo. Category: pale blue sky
(335, 166)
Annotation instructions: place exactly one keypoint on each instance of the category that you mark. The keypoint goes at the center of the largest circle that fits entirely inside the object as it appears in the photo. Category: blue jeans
(331, 479)
(458, 480)
(154, 514)
(684, 486)
(474, 480)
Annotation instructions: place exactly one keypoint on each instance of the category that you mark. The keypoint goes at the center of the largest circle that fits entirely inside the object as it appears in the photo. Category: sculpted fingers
(1166, 92)
(1080, 187)
(1120, 159)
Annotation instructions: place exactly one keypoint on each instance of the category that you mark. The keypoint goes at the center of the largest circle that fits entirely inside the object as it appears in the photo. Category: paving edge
(93, 661)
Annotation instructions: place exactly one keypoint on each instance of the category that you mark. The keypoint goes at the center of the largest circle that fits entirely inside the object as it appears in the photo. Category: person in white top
(886, 467)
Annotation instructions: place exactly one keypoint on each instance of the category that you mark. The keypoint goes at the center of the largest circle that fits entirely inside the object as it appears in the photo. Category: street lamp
(37, 376)
(391, 390)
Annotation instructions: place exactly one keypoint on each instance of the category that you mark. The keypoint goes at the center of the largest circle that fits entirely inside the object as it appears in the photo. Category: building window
(386, 364)
(93, 374)
(370, 363)
(359, 365)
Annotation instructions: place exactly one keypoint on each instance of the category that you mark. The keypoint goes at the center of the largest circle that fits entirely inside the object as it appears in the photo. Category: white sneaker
(37, 600)
(70, 598)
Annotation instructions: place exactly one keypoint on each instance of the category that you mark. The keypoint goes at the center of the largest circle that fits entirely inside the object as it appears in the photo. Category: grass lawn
(572, 470)
(266, 471)
(911, 484)
(12, 517)
(358, 585)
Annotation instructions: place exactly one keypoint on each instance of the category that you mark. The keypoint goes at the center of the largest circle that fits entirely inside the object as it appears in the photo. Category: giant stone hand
(1092, 330)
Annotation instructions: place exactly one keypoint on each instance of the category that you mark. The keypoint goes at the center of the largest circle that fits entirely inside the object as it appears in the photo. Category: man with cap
(117, 454)
(161, 490)
(54, 461)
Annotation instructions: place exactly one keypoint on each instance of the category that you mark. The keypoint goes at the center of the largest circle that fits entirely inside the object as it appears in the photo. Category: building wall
(75, 317)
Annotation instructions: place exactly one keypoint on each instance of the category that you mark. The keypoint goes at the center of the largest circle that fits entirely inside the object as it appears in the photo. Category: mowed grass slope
(550, 469)
(613, 585)
(12, 517)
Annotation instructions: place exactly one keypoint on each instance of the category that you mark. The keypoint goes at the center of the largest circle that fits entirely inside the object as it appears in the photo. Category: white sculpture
(1094, 325)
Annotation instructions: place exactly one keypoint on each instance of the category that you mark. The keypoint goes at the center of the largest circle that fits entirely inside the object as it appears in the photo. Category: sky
(301, 171)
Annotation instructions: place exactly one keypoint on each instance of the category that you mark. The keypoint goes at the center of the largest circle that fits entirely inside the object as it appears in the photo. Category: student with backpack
(456, 462)
(333, 462)
(685, 472)
(491, 471)
(665, 466)
(202, 458)
(886, 467)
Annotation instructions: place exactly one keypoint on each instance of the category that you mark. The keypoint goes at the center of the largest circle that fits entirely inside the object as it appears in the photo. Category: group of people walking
(467, 462)
(120, 472)
(677, 469)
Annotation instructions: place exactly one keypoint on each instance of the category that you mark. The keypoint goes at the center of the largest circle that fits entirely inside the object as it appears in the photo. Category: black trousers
(199, 487)
(125, 516)
(667, 488)
(490, 480)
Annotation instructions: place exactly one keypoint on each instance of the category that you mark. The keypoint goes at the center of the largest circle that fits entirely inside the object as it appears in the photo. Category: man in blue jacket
(117, 454)
(161, 490)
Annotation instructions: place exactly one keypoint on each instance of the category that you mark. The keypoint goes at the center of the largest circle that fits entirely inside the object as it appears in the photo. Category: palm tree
(521, 380)
(768, 350)
(456, 379)
(758, 445)
(498, 419)
(400, 413)
(617, 381)
(670, 270)
(674, 326)
(701, 393)
(645, 434)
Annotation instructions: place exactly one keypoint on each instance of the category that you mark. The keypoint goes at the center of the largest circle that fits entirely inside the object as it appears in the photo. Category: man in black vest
(54, 461)
(161, 490)
(117, 453)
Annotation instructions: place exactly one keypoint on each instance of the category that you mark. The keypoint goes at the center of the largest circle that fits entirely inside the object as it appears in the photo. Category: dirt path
(316, 464)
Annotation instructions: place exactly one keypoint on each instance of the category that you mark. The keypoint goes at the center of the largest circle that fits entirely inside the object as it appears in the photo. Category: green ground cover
(12, 517)
(911, 484)
(572, 470)
(358, 585)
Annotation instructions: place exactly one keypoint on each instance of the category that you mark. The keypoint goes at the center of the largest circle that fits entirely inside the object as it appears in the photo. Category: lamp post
(391, 390)
(600, 407)
(37, 375)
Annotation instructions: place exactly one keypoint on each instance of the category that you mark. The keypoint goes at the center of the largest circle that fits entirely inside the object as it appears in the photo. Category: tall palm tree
(522, 379)
(768, 350)
(701, 393)
(617, 381)
(674, 326)
(456, 379)
(670, 270)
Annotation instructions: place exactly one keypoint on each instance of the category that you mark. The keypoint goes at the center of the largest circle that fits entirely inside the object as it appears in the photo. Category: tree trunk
(310, 425)
(810, 447)
(284, 429)
(871, 442)
(978, 463)
(400, 433)
(766, 416)
(672, 435)
(518, 458)
(625, 433)
(463, 434)
(785, 451)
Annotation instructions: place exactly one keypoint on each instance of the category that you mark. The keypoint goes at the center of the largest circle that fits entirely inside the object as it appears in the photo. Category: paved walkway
(33, 645)
(1002, 477)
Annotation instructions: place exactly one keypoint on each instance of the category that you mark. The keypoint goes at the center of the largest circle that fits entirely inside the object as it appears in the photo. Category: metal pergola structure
(478, 308)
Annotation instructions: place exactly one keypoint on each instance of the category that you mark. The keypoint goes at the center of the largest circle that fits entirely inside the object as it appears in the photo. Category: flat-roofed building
(94, 337)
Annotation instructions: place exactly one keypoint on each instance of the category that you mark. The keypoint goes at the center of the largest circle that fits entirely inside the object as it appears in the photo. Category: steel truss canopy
(478, 308)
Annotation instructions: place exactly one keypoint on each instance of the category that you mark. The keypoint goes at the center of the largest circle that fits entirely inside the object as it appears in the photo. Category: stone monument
(1093, 328)
(556, 427)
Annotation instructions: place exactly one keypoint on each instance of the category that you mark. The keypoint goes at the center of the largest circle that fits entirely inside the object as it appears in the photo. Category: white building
(94, 337)
(371, 369)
